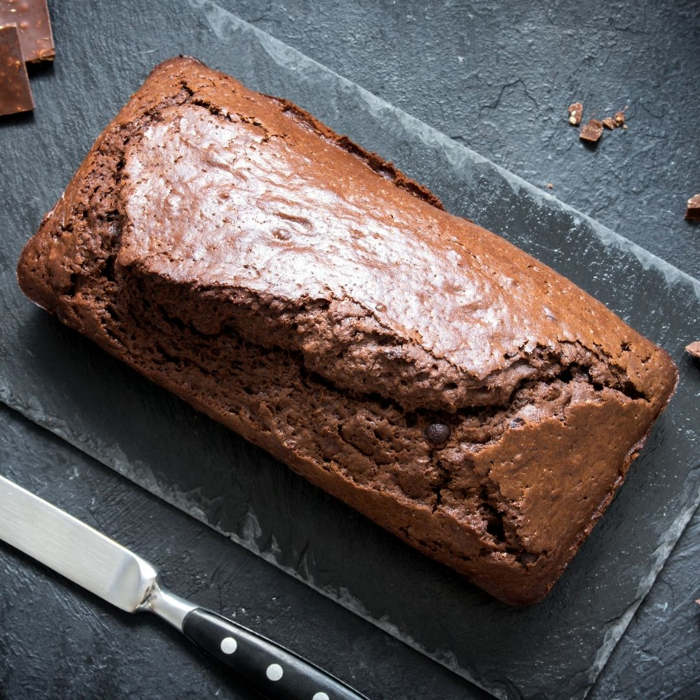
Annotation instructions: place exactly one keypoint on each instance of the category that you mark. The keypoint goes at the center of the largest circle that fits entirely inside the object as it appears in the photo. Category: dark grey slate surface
(147, 45)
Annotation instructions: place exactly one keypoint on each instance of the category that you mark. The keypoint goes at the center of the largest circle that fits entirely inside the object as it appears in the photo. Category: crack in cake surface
(367, 415)
(353, 344)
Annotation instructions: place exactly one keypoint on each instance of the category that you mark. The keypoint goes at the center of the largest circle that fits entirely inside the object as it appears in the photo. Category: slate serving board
(62, 382)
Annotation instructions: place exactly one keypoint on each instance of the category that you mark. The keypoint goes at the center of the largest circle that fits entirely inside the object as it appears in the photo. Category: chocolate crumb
(550, 186)
(693, 349)
(692, 212)
(437, 434)
(609, 123)
(575, 113)
(592, 131)
(619, 118)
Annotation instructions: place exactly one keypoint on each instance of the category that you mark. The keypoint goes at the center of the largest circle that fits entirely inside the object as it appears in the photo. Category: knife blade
(114, 573)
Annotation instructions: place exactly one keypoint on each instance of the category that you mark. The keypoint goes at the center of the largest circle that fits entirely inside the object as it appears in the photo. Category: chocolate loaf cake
(308, 295)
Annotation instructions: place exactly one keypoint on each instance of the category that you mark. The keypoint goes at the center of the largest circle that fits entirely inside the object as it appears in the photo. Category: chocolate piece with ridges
(34, 26)
(15, 93)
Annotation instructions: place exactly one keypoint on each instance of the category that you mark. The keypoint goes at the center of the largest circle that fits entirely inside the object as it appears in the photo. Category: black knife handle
(265, 667)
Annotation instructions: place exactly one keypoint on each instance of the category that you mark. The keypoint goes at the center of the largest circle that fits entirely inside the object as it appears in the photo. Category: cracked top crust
(262, 208)
(310, 296)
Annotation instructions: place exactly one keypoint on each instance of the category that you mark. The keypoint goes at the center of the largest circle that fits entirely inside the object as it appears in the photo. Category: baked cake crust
(314, 299)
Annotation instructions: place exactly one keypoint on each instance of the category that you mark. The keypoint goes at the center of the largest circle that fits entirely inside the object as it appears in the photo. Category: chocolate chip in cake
(528, 558)
(437, 434)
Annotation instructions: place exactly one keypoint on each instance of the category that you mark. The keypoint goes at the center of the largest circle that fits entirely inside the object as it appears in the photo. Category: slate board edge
(617, 630)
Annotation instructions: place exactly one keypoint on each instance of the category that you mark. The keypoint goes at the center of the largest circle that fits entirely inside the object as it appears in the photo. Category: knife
(105, 568)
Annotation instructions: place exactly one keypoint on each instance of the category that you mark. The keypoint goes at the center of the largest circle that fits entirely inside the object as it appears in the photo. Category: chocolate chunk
(619, 118)
(437, 433)
(34, 26)
(528, 558)
(693, 349)
(692, 213)
(609, 123)
(15, 93)
(575, 113)
(592, 131)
